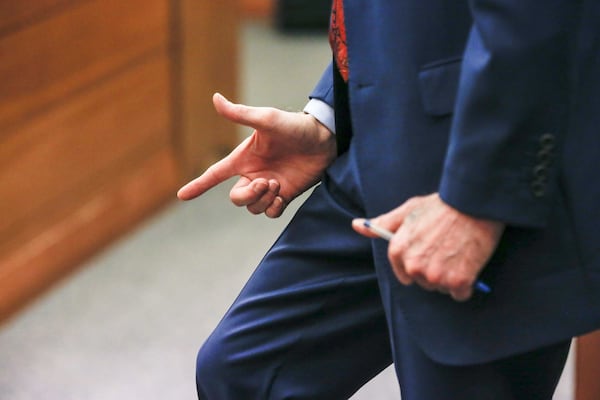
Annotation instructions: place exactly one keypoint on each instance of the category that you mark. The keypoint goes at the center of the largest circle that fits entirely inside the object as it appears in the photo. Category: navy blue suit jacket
(494, 104)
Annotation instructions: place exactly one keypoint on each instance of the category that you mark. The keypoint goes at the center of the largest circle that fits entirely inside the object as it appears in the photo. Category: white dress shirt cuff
(323, 113)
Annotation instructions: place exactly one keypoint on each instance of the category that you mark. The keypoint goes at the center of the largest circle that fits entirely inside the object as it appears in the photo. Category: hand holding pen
(387, 235)
(435, 246)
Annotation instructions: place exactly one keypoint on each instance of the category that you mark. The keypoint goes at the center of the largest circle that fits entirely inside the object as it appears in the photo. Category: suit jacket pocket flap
(438, 83)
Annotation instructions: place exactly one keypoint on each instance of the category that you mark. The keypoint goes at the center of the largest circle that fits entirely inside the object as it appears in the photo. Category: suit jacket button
(545, 156)
(540, 172)
(538, 188)
(547, 140)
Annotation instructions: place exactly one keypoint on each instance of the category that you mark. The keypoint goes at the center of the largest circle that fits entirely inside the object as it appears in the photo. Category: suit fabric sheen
(491, 104)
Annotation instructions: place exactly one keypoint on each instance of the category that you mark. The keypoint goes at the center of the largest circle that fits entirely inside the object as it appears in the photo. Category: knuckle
(460, 296)
(413, 201)
(463, 293)
(254, 210)
(238, 201)
(275, 208)
(411, 269)
(415, 267)
(396, 250)
(273, 212)
(458, 282)
(270, 116)
(272, 215)
(434, 277)
(402, 277)
(415, 271)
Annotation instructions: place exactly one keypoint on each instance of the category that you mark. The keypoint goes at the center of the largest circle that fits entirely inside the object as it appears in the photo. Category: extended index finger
(214, 175)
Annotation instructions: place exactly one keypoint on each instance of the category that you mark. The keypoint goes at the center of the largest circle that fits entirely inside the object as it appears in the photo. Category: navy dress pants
(311, 324)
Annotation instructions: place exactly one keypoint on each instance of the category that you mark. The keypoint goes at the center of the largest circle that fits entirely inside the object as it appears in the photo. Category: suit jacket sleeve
(511, 111)
(324, 89)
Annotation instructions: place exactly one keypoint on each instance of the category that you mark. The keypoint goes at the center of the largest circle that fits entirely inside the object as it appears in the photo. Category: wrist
(323, 112)
(325, 138)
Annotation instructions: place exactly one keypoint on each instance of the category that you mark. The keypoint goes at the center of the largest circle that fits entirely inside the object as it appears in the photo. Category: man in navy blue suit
(468, 129)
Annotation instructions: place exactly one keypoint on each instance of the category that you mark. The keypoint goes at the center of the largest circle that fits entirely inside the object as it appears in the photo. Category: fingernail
(273, 185)
(260, 187)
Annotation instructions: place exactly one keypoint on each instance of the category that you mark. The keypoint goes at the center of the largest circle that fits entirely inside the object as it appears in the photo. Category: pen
(387, 235)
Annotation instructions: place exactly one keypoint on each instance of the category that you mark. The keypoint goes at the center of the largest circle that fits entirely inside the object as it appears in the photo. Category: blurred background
(108, 285)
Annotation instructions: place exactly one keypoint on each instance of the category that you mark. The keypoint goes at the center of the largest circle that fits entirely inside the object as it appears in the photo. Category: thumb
(260, 118)
(384, 225)
(372, 228)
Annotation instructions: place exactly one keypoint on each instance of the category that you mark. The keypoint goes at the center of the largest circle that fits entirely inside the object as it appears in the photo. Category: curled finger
(276, 208)
(266, 199)
(246, 191)
(461, 294)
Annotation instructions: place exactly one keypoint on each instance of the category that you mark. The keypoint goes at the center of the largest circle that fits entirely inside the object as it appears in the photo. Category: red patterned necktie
(337, 38)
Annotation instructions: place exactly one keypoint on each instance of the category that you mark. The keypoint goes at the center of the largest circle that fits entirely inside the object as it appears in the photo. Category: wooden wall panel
(86, 132)
(207, 48)
(53, 58)
(263, 9)
(101, 104)
(14, 14)
(58, 156)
